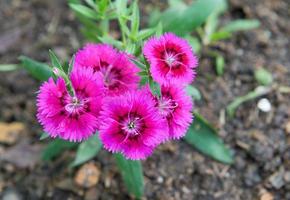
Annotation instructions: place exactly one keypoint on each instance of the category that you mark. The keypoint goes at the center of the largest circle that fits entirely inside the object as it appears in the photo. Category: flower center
(170, 59)
(75, 106)
(110, 76)
(166, 106)
(131, 126)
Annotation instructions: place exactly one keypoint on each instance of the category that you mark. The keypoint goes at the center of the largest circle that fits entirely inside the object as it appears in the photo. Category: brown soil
(259, 141)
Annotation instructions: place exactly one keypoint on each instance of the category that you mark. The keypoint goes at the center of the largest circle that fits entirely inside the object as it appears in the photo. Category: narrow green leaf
(194, 92)
(220, 65)
(90, 35)
(154, 87)
(210, 27)
(71, 64)
(91, 3)
(38, 70)
(43, 136)
(143, 73)
(131, 48)
(54, 60)
(182, 20)
(263, 76)
(135, 19)
(121, 6)
(8, 67)
(84, 11)
(87, 150)
(112, 41)
(55, 148)
(103, 5)
(220, 35)
(145, 33)
(204, 138)
(240, 25)
(159, 29)
(138, 63)
(132, 174)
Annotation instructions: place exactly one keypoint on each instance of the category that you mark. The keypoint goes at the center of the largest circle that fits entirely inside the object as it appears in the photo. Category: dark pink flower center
(166, 106)
(76, 106)
(132, 126)
(171, 59)
(111, 75)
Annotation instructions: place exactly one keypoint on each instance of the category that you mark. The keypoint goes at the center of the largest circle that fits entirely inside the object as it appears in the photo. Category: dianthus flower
(176, 106)
(119, 74)
(171, 59)
(70, 117)
(131, 125)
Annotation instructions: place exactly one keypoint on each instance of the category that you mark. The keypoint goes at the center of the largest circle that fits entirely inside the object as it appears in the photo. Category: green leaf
(84, 11)
(55, 148)
(204, 138)
(121, 6)
(183, 19)
(135, 19)
(38, 70)
(194, 92)
(8, 67)
(154, 87)
(91, 3)
(112, 41)
(176, 3)
(54, 60)
(131, 48)
(87, 150)
(220, 65)
(159, 29)
(71, 64)
(103, 5)
(263, 76)
(143, 73)
(132, 175)
(43, 136)
(240, 25)
(145, 33)
(138, 63)
(210, 27)
(220, 35)
(74, 1)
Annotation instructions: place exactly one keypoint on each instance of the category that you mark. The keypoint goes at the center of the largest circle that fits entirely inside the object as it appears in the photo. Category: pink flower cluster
(106, 97)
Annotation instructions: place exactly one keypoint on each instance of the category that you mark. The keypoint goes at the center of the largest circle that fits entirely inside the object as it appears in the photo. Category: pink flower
(131, 125)
(171, 59)
(72, 118)
(119, 74)
(176, 107)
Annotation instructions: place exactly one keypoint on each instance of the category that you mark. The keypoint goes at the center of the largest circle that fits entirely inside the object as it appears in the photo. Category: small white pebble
(160, 179)
(264, 105)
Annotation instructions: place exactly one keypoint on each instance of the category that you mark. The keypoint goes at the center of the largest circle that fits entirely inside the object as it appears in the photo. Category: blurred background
(258, 134)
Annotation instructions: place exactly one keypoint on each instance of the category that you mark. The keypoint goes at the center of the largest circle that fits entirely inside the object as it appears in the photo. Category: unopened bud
(56, 71)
